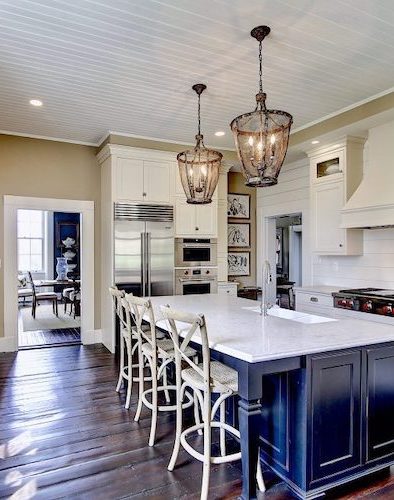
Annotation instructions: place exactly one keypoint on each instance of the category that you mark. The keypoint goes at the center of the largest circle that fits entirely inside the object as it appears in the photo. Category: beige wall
(49, 169)
(236, 184)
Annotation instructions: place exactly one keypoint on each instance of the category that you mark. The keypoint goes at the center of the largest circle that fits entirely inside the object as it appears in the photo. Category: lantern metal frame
(199, 167)
(267, 130)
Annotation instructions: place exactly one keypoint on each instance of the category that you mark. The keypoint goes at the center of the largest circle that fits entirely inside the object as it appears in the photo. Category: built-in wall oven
(196, 280)
(195, 252)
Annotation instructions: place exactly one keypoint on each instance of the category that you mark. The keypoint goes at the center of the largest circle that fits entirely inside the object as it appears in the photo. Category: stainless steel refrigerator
(144, 249)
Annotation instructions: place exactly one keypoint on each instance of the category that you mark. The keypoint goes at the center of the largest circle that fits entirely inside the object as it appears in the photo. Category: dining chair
(158, 354)
(41, 297)
(205, 379)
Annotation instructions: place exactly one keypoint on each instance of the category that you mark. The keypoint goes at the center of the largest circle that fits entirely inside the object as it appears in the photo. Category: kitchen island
(316, 395)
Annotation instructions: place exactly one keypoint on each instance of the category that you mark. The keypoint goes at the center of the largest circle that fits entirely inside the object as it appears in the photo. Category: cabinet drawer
(227, 290)
(317, 299)
(327, 312)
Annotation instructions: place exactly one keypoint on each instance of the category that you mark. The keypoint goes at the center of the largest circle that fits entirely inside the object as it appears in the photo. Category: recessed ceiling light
(315, 142)
(35, 102)
(220, 133)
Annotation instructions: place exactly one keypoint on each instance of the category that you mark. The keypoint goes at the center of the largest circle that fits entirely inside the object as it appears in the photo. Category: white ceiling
(127, 66)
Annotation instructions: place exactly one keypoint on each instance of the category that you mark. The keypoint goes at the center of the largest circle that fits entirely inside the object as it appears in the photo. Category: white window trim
(43, 239)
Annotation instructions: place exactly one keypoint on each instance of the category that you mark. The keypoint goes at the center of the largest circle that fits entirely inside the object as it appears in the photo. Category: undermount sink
(292, 315)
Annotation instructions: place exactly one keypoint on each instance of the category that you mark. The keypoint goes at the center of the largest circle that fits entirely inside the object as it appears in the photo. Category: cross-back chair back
(189, 325)
(117, 296)
(140, 309)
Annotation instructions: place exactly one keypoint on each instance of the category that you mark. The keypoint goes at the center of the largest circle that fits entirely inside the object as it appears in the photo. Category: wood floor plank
(64, 433)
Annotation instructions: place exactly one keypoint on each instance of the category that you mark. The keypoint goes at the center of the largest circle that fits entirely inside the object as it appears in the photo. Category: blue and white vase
(61, 268)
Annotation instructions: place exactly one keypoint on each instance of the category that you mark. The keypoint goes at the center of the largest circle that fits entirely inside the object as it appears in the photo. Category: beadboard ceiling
(127, 66)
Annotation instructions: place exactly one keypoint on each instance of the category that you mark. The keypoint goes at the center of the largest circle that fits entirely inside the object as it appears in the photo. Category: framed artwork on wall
(238, 263)
(238, 234)
(238, 205)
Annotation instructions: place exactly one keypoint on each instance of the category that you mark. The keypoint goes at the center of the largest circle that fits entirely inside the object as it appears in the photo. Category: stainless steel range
(369, 300)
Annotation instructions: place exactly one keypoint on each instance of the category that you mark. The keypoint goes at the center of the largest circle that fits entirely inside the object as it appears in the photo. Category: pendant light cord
(261, 67)
(199, 119)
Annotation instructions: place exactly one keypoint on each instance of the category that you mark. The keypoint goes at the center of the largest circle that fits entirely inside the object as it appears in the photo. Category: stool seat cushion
(221, 375)
(166, 349)
(25, 292)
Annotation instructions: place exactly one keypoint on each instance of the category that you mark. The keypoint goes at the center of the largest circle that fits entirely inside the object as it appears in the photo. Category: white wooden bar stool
(158, 354)
(205, 379)
(128, 344)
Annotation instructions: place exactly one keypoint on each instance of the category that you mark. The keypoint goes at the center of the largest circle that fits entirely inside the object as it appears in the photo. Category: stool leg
(178, 430)
(197, 412)
(222, 431)
(207, 446)
(154, 401)
(140, 382)
(121, 363)
(165, 383)
(129, 373)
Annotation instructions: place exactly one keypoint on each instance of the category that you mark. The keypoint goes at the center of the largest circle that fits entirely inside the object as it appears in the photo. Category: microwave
(192, 252)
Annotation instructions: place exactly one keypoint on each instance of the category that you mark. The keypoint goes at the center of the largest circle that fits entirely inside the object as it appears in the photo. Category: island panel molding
(238, 234)
(238, 206)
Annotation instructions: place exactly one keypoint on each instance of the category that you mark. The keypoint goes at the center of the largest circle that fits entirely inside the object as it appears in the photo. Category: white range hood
(372, 204)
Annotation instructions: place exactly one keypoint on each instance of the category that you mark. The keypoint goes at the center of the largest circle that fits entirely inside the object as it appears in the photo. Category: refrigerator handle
(148, 263)
(143, 264)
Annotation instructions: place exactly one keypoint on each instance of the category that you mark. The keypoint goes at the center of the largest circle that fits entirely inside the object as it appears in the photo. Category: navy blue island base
(319, 420)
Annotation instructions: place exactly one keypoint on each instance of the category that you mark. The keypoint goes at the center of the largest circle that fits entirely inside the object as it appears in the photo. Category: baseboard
(93, 337)
(8, 344)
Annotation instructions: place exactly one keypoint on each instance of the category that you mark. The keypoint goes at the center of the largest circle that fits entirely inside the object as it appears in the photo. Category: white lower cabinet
(199, 221)
(226, 288)
(320, 304)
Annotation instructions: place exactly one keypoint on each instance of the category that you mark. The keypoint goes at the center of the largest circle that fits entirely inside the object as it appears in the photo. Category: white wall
(289, 196)
(375, 268)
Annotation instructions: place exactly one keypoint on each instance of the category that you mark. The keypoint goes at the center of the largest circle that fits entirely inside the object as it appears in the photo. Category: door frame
(86, 208)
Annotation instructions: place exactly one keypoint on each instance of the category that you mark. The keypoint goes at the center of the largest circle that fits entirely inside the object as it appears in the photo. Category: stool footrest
(149, 405)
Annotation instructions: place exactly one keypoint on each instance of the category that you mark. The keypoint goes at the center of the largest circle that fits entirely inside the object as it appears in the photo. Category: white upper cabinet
(129, 179)
(157, 181)
(141, 175)
(335, 173)
(199, 221)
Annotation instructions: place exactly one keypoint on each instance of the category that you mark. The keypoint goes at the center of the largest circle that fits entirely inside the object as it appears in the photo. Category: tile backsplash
(375, 268)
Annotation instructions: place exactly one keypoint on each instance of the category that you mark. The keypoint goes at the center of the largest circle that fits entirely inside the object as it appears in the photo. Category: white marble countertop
(325, 289)
(246, 335)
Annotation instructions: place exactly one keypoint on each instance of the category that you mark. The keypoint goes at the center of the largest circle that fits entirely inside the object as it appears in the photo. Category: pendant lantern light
(199, 167)
(261, 136)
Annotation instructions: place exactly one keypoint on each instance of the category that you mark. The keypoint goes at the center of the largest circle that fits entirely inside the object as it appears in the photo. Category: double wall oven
(195, 266)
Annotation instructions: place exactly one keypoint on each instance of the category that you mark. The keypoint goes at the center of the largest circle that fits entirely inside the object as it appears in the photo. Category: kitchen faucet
(267, 278)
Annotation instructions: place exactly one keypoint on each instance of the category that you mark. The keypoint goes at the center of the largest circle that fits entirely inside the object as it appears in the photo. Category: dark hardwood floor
(48, 338)
(64, 433)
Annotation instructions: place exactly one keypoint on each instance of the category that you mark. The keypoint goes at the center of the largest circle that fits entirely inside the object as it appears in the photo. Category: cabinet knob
(143, 194)
(314, 299)
(196, 228)
(340, 244)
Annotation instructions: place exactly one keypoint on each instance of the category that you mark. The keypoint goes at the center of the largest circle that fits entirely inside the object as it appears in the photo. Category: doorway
(85, 209)
(49, 278)
(288, 254)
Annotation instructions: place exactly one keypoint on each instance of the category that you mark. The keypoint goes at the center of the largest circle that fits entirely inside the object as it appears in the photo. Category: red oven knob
(387, 310)
(367, 306)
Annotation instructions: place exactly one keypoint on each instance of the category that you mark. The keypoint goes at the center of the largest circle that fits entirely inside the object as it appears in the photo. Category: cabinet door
(380, 402)
(327, 201)
(129, 179)
(335, 413)
(206, 219)
(185, 218)
(157, 181)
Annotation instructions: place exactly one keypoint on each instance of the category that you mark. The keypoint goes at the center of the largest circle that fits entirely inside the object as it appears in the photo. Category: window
(31, 236)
